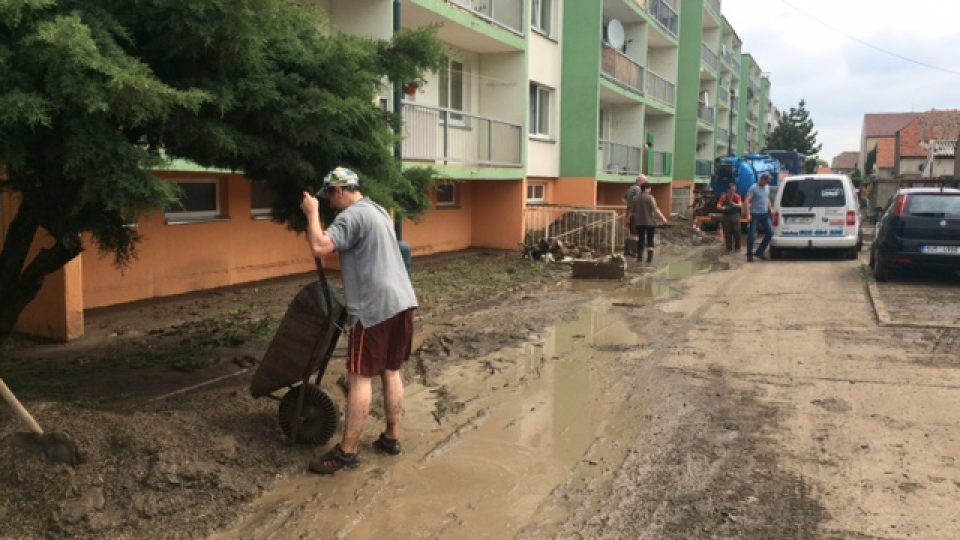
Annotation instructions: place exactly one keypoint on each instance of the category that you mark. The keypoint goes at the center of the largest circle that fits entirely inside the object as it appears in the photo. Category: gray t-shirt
(375, 280)
(759, 199)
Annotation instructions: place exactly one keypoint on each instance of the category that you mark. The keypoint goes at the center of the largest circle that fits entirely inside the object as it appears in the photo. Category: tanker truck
(744, 171)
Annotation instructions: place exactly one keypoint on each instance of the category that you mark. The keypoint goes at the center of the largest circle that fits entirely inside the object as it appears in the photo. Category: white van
(816, 211)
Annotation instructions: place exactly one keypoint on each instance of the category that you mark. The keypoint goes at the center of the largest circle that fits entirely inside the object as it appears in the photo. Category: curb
(880, 309)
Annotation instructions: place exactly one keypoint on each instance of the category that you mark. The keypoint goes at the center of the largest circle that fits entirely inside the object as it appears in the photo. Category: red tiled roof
(885, 124)
(885, 152)
(932, 125)
(845, 160)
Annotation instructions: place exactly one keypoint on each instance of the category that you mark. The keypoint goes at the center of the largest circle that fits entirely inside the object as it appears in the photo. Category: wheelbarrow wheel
(319, 418)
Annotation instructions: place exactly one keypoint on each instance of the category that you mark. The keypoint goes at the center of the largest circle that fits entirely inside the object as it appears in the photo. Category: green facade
(688, 89)
(579, 110)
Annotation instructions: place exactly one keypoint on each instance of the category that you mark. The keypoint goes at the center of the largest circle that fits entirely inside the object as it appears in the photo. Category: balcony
(660, 89)
(622, 69)
(715, 6)
(620, 158)
(443, 136)
(723, 96)
(732, 60)
(709, 57)
(659, 163)
(708, 115)
(723, 136)
(753, 117)
(664, 14)
(505, 13)
(704, 168)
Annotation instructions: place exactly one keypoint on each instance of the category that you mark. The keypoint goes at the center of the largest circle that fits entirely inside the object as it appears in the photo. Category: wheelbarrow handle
(18, 408)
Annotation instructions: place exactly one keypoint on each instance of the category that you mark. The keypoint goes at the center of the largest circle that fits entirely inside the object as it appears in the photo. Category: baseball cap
(339, 177)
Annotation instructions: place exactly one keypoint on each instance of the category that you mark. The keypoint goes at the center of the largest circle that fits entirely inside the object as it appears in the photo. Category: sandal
(387, 445)
(333, 461)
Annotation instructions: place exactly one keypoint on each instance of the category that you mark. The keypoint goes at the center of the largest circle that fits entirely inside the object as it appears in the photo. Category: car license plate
(797, 220)
(940, 250)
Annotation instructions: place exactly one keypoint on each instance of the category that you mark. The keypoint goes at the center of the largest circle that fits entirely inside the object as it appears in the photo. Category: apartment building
(542, 102)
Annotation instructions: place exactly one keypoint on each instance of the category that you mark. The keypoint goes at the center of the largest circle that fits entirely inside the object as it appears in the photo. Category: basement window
(536, 193)
(261, 200)
(447, 196)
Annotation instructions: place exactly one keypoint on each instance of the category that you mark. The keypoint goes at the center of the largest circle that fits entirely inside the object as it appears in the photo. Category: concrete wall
(497, 219)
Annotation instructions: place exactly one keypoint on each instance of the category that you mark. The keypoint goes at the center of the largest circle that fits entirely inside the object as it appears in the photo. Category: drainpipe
(405, 251)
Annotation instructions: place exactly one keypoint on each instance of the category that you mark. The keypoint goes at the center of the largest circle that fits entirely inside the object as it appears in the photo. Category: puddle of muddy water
(532, 414)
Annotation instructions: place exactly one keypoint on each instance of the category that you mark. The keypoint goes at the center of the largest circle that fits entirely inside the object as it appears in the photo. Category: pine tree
(795, 133)
(96, 93)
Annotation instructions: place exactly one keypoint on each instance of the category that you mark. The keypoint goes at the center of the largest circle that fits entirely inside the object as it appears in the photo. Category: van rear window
(934, 205)
(813, 193)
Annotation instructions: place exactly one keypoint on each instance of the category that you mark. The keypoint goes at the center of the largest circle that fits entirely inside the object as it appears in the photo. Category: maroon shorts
(383, 346)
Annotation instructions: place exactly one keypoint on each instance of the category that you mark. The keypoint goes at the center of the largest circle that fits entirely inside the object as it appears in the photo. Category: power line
(868, 44)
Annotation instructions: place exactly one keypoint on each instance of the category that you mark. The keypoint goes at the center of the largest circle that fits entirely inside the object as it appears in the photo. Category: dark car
(919, 228)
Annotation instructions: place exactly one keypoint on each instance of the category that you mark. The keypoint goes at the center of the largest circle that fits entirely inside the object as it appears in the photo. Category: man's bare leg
(392, 401)
(358, 407)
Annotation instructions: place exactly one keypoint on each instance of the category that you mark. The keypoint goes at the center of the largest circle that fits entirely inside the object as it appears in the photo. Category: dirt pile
(680, 233)
(186, 465)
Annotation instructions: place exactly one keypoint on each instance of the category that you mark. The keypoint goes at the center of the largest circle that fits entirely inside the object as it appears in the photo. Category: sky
(800, 44)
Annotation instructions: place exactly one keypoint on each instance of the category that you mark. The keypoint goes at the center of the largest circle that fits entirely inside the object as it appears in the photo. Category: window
(199, 200)
(452, 89)
(536, 193)
(539, 110)
(813, 193)
(446, 195)
(541, 16)
(261, 199)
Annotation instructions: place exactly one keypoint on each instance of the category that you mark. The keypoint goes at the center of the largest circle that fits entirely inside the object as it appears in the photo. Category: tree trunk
(19, 284)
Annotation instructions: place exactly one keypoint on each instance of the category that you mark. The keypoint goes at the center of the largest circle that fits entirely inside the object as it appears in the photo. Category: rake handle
(18, 408)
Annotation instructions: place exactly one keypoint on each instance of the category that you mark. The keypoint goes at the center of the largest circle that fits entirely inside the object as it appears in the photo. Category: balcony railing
(753, 117)
(715, 5)
(620, 158)
(622, 69)
(660, 163)
(723, 136)
(704, 168)
(665, 15)
(732, 59)
(443, 135)
(660, 89)
(723, 96)
(506, 13)
(709, 57)
(707, 114)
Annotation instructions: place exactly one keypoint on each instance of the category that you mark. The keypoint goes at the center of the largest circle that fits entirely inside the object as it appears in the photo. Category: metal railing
(620, 158)
(660, 89)
(704, 168)
(598, 230)
(723, 135)
(732, 59)
(658, 163)
(710, 57)
(723, 96)
(506, 13)
(753, 88)
(445, 135)
(665, 15)
(707, 114)
(622, 69)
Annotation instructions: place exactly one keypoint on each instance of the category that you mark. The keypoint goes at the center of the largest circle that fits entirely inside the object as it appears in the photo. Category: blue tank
(745, 170)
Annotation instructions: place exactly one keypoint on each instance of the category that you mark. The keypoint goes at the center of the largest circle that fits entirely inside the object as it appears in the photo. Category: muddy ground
(698, 398)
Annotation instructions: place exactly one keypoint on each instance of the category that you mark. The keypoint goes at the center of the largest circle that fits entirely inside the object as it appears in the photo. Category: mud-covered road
(763, 401)
(702, 397)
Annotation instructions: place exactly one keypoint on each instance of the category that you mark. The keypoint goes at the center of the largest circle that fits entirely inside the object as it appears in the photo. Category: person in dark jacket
(644, 213)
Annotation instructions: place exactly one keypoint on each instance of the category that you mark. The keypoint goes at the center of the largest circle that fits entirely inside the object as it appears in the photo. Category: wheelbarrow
(301, 349)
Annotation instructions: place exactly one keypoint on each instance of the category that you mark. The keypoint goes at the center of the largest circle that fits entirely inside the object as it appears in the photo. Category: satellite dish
(615, 35)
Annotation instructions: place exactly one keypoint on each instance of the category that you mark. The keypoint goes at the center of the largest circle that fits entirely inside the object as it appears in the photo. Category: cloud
(842, 79)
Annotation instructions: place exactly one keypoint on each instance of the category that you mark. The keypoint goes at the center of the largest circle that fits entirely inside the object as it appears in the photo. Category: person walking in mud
(758, 202)
(631, 241)
(380, 306)
(644, 214)
(731, 205)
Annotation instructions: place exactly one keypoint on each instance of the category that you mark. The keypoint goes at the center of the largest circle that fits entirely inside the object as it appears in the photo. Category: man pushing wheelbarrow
(380, 303)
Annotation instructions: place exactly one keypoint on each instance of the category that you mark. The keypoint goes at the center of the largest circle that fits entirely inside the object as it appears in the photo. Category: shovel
(56, 447)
